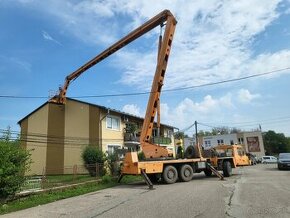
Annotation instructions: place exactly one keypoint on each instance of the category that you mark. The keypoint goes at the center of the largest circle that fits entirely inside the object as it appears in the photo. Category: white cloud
(132, 109)
(187, 111)
(14, 62)
(48, 37)
(212, 43)
(268, 62)
(213, 40)
(245, 96)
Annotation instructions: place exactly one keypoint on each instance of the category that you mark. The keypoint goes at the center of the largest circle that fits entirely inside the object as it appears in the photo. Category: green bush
(112, 160)
(106, 179)
(91, 156)
(14, 161)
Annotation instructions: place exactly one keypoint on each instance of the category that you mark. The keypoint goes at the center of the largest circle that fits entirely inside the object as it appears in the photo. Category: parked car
(268, 159)
(284, 161)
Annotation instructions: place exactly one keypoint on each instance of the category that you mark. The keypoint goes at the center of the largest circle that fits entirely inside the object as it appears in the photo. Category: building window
(241, 140)
(112, 148)
(207, 144)
(220, 141)
(113, 123)
(169, 133)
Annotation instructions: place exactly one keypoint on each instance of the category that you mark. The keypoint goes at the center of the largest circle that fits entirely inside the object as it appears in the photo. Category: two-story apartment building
(56, 134)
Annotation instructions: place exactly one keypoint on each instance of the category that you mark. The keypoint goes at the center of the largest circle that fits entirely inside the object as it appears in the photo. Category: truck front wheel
(227, 169)
(170, 174)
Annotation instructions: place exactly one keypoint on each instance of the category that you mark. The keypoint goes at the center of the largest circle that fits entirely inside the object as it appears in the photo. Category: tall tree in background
(276, 143)
(179, 135)
(235, 130)
(220, 130)
(204, 133)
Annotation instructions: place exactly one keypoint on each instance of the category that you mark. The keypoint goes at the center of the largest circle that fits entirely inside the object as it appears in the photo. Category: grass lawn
(56, 180)
(53, 181)
(44, 198)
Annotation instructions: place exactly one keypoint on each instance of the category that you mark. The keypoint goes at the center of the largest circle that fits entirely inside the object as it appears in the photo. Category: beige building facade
(56, 134)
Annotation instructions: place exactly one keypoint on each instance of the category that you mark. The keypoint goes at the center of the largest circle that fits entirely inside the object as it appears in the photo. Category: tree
(111, 160)
(179, 135)
(201, 133)
(235, 130)
(6, 136)
(14, 162)
(131, 131)
(92, 156)
(275, 143)
(220, 130)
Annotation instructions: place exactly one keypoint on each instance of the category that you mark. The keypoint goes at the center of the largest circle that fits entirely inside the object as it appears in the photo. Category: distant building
(56, 134)
(252, 141)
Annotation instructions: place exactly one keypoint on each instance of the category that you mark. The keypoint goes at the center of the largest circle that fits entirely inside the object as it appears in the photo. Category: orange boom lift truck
(159, 162)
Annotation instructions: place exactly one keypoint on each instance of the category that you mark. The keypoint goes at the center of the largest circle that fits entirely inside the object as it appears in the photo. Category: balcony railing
(161, 140)
(128, 137)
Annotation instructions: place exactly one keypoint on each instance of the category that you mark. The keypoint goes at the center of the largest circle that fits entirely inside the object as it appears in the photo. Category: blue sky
(41, 42)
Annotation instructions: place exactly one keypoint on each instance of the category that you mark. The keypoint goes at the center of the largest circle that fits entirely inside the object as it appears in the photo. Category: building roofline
(94, 105)
(19, 122)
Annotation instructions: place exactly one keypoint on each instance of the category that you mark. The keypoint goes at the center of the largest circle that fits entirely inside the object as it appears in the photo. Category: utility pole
(196, 140)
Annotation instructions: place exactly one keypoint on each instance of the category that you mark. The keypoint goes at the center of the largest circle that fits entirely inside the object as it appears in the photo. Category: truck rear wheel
(170, 174)
(185, 173)
(227, 169)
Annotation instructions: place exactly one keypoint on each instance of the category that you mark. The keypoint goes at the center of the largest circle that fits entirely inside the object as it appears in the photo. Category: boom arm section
(151, 150)
(164, 16)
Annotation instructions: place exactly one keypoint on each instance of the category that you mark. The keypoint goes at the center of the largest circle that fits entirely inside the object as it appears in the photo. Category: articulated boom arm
(164, 16)
(153, 106)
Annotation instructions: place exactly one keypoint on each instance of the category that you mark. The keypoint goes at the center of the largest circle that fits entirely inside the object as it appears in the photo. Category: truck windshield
(224, 152)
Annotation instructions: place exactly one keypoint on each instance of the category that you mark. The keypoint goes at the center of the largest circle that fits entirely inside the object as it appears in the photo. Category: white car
(269, 159)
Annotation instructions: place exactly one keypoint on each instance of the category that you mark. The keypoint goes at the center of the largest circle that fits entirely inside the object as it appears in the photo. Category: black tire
(227, 169)
(189, 152)
(185, 173)
(208, 172)
(170, 174)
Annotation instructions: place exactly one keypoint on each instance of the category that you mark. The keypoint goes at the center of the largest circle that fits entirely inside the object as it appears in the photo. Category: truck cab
(226, 157)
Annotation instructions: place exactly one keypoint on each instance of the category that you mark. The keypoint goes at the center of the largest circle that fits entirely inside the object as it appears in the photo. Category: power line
(148, 92)
(42, 140)
(255, 122)
(249, 123)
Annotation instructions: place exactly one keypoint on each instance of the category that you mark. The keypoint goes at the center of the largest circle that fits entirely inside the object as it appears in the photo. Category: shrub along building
(56, 134)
